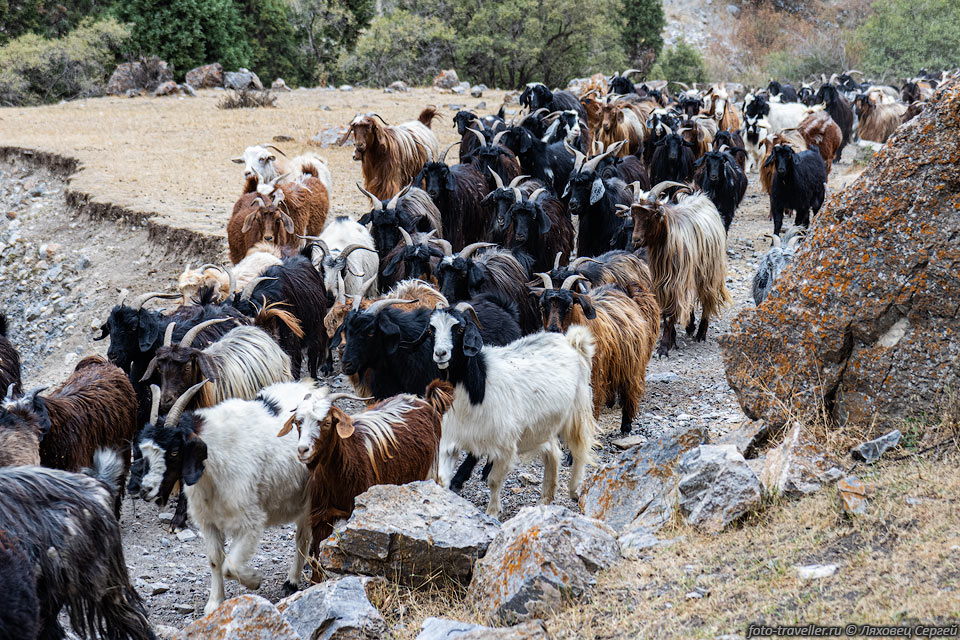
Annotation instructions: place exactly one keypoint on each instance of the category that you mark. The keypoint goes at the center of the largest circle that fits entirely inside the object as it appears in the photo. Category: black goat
(689, 105)
(673, 160)
(721, 178)
(758, 107)
(491, 158)
(734, 141)
(10, 382)
(799, 183)
(549, 163)
(786, 92)
(840, 110)
(807, 95)
(660, 124)
(595, 199)
(418, 258)
(537, 95)
(457, 192)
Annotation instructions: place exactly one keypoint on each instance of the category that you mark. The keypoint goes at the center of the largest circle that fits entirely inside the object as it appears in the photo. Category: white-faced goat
(346, 250)
(238, 476)
(259, 161)
(515, 400)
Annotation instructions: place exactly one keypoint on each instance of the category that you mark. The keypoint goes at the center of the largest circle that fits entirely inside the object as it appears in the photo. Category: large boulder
(446, 79)
(411, 534)
(638, 489)
(246, 617)
(716, 486)
(142, 75)
(541, 557)
(335, 610)
(865, 321)
(242, 79)
(207, 76)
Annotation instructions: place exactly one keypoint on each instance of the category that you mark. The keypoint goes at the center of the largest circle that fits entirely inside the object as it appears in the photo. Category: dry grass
(247, 99)
(171, 156)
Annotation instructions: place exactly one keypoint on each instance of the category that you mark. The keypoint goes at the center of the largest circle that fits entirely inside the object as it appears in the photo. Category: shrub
(35, 70)
(903, 36)
(643, 23)
(273, 41)
(247, 99)
(680, 63)
(401, 46)
(327, 31)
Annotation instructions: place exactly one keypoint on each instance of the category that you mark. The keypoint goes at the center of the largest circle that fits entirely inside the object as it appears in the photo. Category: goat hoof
(625, 429)
(289, 588)
(210, 607)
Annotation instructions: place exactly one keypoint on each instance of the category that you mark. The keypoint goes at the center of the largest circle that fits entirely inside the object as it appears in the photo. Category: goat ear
(525, 141)
(39, 406)
(597, 191)
(342, 422)
(366, 218)
(288, 425)
(566, 190)
(104, 331)
(472, 341)
(451, 181)
(392, 264)
(545, 223)
(248, 222)
(149, 330)
(338, 335)
(699, 161)
(391, 333)
(194, 456)
(287, 222)
(586, 305)
(474, 277)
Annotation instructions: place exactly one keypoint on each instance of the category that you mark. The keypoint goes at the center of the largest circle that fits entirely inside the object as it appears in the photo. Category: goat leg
(692, 323)
(669, 337)
(180, 514)
(463, 473)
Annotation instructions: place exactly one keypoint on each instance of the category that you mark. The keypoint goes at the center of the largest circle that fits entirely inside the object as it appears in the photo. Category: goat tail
(439, 395)
(108, 468)
(582, 340)
(427, 115)
(273, 311)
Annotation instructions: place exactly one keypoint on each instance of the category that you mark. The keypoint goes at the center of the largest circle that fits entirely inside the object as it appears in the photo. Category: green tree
(327, 29)
(680, 63)
(902, 36)
(273, 41)
(643, 24)
(187, 33)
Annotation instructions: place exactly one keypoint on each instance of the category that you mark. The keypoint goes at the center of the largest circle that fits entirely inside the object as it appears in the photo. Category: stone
(733, 10)
(459, 90)
(206, 76)
(186, 535)
(815, 571)
(477, 90)
(748, 438)
(334, 610)
(280, 85)
(166, 88)
(187, 89)
(628, 442)
(185, 609)
(871, 451)
(445, 629)
(857, 328)
(446, 79)
(716, 486)
(665, 377)
(330, 136)
(128, 76)
(246, 617)
(638, 488)
(241, 79)
(411, 534)
(853, 495)
(542, 557)
(157, 588)
(346, 87)
(399, 86)
(798, 466)
(634, 543)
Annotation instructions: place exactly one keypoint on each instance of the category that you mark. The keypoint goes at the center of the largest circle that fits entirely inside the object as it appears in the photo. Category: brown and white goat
(394, 441)
(625, 328)
(94, 408)
(390, 156)
(818, 129)
(877, 121)
(687, 249)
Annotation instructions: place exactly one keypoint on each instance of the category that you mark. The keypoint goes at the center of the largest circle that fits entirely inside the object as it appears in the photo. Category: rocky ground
(63, 272)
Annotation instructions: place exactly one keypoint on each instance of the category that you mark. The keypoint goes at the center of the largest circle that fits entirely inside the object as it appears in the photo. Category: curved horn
(139, 301)
(320, 244)
(341, 289)
(468, 251)
(374, 199)
(168, 334)
(446, 246)
(443, 156)
(571, 280)
(578, 157)
(351, 248)
(466, 307)
(395, 199)
(250, 286)
(173, 417)
(536, 194)
(629, 71)
(483, 141)
(187, 341)
(517, 196)
(154, 404)
(774, 239)
(406, 236)
(496, 177)
(547, 282)
(516, 181)
(576, 263)
(379, 305)
(333, 397)
(233, 279)
(556, 261)
(661, 187)
(366, 284)
(591, 164)
(496, 138)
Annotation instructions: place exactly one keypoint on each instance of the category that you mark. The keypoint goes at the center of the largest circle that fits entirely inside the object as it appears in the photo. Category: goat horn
(578, 157)
(556, 261)
(468, 251)
(591, 164)
(374, 199)
(187, 341)
(483, 141)
(408, 241)
(774, 239)
(275, 148)
(233, 279)
(496, 177)
(138, 303)
(317, 241)
(10, 390)
(395, 199)
(496, 138)
(341, 289)
(366, 284)
(443, 156)
(516, 181)
(379, 305)
(571, 280)
(536, 194)
(173, 417)
(547, 282)
(250, 286)
(466, 307)
(351, 248)
(168, 334)
(576, 263)
(333, 397)
(380, 118)
(655, 192)
(517, 196)
(445, 245)
(154, 404)
(629, 71)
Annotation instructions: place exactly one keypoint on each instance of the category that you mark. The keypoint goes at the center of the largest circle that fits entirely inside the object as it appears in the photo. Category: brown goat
(391, 156)
(94, 408)
(720, 108)
(877, 122)
(620, 121)
(625, 328)
(818, 129)
(9, 363)
(395, 441)
(277, 214)
(617, 267)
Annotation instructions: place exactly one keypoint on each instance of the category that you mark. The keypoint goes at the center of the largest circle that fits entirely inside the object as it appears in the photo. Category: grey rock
(187, 89)
(798, 466)
(157, 588)
(667, 376)
(638, 488)
(445, 629)
(814, 571)
(330, 136)
(166, 88)
(733, 10)
(400, 86)
(872, 450)
(446, 79)
(345, 87)
(242, 79)
(207, 76)
(717, 487)
(246, 617)
(334, 610)
(180, 607)
(633, 543)
(410, 534)
(459, 90)
(186, 535)
(628, 442)
(480, 105)
(279, 85)
(748, 438)
(542, 556)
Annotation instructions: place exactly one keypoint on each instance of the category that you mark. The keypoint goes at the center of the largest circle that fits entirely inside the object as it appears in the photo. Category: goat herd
(459, 313)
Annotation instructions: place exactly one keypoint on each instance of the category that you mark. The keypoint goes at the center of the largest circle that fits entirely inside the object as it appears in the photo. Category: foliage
(326, 31)
(50, 18)
(680, 63)
(149, 73)
(272, 36)
(400, 46)
(247, 99)
(508, 43)
(188, 33)
(903, 36)
(35, 70)
(643, 23)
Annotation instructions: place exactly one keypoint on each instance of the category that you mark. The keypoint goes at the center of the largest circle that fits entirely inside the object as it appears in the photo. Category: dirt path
(65, 271)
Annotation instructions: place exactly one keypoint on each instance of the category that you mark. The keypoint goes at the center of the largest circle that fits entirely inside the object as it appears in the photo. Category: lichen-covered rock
(246, 617)
(279, 84)
(207, 76)
(166, 88)
(444, 629)
(411, 534)
(130, 77)
(716, 486)
(542, 556)
(446, 79)
(242, 79)
(866, 316)
(335, 610)
(798, 466)
(637, 490)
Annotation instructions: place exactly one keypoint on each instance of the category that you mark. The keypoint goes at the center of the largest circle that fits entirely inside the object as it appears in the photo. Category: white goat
(754, 132)
(260, 161)
(515, 400)
(345, 248)
(238, 476)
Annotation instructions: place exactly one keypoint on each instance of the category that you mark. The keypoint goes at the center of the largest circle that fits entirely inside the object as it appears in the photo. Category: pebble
(814, 571)
(166, 516)
(157, 588)
(186, 535)
(183, 608)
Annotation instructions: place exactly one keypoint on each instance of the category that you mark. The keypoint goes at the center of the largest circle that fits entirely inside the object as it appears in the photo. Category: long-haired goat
(877, 122)
(9, 362)
(687, 250)
(457, 191)
(491, 158)
(620, 268)
(840, 110)
(260, 162)
(819, 130)
(594, 199)
(537, 225)
(390, 156)
(625, 327)
(619, 121)
(799, 184)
